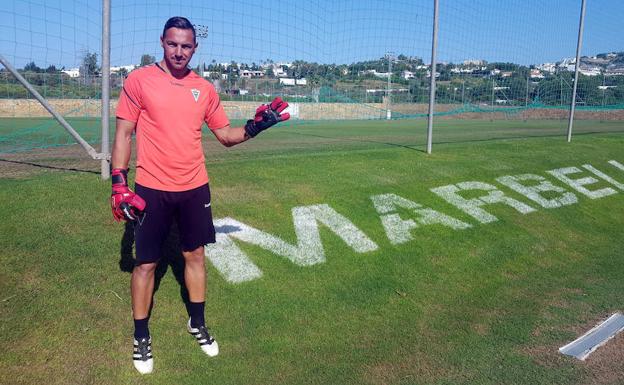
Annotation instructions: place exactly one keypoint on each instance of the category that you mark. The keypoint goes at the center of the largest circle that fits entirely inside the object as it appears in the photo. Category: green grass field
(489, 304)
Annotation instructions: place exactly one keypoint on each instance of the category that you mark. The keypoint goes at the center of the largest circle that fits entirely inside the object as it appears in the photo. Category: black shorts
(191, 210)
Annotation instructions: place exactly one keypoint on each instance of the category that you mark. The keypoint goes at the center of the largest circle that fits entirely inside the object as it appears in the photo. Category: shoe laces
(204, 334)
(143, 347)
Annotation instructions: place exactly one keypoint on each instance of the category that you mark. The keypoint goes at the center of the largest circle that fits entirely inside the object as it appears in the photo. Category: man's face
(179, 47)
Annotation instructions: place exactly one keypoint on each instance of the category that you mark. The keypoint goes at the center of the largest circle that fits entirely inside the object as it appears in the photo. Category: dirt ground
(605, 366)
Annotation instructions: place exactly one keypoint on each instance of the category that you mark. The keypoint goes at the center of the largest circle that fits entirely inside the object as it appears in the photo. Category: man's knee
(145, 269)
(195, 256)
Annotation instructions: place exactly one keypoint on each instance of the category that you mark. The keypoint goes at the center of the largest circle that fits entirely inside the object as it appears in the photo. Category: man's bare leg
(195, 274)
(142, 289)
(195, 279)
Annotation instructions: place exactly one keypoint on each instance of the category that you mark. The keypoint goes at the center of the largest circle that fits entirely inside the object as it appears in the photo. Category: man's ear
(162, 42)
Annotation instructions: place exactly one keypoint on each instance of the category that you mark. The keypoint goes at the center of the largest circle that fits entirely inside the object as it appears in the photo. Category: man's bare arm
(122, 146)
(231, 136)
(266, 116)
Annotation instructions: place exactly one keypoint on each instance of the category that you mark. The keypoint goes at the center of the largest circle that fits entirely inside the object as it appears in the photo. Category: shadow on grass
(518, 137)
(49, 167)
(170, 256)
(415, 147)
(347, 139)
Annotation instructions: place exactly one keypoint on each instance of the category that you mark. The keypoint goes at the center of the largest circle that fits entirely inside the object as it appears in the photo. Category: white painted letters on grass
(399, 230)
(472, 207)
(229, 259)
(579, 184)
(604, 176)
(514, 182)
(236, 267)
(617, 164)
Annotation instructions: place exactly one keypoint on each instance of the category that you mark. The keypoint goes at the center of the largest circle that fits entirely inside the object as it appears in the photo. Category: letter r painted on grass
(235, 266)
(472, 207)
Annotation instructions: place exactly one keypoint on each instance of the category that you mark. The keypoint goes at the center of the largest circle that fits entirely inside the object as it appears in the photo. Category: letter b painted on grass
(534, 192)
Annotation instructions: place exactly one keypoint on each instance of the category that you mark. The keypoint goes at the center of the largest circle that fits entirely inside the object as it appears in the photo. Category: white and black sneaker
(207, 344)
(142, 356)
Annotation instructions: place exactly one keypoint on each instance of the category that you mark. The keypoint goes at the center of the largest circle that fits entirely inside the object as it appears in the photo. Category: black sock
(140, 328)
(196, 311)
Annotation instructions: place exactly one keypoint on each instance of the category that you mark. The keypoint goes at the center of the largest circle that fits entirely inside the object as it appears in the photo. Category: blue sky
(523, 31)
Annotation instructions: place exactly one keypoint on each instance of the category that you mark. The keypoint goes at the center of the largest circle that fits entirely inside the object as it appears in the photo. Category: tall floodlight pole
(106, 8)
(576, 69)
(434, 45)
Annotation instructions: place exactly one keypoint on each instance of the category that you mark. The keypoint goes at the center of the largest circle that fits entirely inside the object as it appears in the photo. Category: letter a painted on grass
(236, 267)
(397, 229)
(473, 206)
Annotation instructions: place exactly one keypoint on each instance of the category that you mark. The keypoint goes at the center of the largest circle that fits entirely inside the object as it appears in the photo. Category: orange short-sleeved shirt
(169, 114)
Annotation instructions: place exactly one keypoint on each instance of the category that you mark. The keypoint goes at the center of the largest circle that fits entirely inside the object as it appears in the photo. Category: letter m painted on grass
(236, 267)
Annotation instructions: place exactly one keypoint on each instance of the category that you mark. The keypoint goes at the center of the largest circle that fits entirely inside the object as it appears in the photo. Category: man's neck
(173, 72)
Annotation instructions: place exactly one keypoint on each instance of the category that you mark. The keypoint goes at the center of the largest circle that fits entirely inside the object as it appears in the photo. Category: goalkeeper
(165, 104)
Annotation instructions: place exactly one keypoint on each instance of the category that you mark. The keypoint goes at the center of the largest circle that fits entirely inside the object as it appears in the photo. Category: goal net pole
(432, 88)
(577, 66)
(106, 21)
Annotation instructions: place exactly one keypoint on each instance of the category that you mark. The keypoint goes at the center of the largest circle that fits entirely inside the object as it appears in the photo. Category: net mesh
(332, 60)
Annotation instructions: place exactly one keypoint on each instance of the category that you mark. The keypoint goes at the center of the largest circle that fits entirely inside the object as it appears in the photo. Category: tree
(123, 72)
(147, 59)
(89, 65)
(32, 67)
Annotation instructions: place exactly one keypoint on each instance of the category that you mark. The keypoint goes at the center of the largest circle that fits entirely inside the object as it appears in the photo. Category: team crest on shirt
(195, 93)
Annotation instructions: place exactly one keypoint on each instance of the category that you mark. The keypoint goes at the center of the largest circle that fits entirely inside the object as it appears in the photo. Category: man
(166, 105)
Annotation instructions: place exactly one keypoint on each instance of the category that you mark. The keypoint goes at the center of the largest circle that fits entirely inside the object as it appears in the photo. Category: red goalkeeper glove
(126, 205)
(266, 116)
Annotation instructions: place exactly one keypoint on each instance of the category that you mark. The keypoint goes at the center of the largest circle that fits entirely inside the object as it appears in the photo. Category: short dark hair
(181, 23)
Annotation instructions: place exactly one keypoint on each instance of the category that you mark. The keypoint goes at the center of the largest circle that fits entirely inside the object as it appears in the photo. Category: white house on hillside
(293, 82)
(251, 74)
(72, 72)
(128, 68)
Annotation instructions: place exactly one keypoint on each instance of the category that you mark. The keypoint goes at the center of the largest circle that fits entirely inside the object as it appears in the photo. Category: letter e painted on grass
(578, 184)
(514, 182)
(398, 229)
(472, 206)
